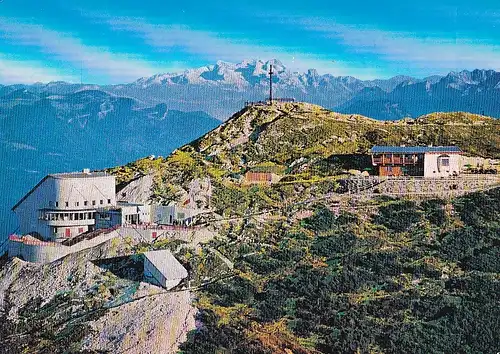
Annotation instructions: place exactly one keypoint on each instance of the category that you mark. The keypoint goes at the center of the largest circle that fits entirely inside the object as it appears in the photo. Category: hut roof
(414, 149)
(167, 264)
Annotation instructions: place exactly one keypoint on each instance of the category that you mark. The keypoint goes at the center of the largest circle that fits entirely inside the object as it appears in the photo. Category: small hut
(163, 269)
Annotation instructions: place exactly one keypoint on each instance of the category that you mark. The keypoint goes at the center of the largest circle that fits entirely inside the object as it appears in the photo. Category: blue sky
(111, 42)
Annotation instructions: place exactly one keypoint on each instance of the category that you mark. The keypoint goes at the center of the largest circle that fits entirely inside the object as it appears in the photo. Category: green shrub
(434, 211)
(330, 245)
(399, 216)
(324, 219)
(484, 260)
(211, 337)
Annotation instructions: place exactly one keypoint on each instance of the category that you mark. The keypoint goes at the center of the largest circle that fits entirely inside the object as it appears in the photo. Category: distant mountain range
(475, 91)
(222, 89)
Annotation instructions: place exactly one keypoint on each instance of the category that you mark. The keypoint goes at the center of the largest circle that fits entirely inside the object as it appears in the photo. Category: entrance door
(68, 232)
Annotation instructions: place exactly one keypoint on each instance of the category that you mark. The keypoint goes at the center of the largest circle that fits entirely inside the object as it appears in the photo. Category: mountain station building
(64, 205)
(423, 161)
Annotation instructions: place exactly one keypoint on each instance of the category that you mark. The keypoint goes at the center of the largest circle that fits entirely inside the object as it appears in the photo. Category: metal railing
(422, 178)
(160, 227)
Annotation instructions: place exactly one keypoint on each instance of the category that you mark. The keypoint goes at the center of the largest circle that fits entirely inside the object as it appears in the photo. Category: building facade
(64, 205)
(265, 178)
(172, 215)
(123, 214)
(424, 161)
(126, 214)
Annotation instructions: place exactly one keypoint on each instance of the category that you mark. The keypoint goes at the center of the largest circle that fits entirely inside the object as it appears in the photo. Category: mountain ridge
(222, 88)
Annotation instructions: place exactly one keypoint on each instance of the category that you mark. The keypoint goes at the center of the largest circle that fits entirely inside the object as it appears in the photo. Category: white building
(443, 162)
(162, 268)
(123, 214)
(172, 215)
(64, 205)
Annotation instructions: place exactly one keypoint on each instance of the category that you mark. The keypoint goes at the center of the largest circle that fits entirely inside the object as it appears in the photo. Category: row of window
(67, 231)
(77, 204)
(66, 216)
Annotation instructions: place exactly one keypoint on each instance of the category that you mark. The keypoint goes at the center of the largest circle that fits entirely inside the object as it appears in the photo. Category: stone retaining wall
(36, 251)
(420, 187)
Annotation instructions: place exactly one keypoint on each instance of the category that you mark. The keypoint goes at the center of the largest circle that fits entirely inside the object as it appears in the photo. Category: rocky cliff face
(81, 303)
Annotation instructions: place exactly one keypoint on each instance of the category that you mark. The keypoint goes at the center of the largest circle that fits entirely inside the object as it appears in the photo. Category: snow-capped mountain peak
(246, 73)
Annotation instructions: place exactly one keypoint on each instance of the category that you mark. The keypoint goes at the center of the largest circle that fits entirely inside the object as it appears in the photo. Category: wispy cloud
(213, 46)
(419, 52)
(116, 67)
(25, 72)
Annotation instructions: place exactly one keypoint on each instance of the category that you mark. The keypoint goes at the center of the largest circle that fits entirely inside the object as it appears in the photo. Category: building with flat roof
(172, 215)
(266, 178)
(425, 161)
(122, 214)
(63, 205)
